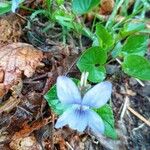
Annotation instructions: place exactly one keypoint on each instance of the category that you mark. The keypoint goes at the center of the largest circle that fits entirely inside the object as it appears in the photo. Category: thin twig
(52, 132)
(118, 61)
(139, 127)
(139, 116)
(41, 76)
(126, 103)
(69, 146)
(74, 62)
(140, 82)
(31, 82)
(21, 17)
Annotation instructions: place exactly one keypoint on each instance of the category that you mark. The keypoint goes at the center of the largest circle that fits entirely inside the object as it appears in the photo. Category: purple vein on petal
(74, 117)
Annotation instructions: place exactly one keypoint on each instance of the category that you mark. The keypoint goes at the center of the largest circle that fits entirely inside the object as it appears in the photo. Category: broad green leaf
(84, 6)
(104, 37)
(131, 28)
(135, 44)
(137, 66)
(4, 7)
(92, 61)
(106, 114)
(67, 21)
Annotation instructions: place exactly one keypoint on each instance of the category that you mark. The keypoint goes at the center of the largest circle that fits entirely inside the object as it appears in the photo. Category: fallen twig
(139, 127)
(126, 103)
(69, 146)
(139, 116)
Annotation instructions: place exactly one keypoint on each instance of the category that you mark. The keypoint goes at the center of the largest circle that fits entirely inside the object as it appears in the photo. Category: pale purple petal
(98, 95)
(95, 123)
(75, 118)
(15, 4)
(78, 120)
(67, 91)
(63, 119)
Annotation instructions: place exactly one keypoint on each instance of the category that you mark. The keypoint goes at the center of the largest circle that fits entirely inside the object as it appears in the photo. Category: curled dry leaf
(10, 29)
(17, 59)
(106, 6)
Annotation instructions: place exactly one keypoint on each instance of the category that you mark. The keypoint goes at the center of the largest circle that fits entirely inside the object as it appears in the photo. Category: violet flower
(80, 115)
(15, 4)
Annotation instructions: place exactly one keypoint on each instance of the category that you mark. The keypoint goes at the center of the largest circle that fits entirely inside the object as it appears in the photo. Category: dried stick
(139, 116)
(69, 146)
(126, 103)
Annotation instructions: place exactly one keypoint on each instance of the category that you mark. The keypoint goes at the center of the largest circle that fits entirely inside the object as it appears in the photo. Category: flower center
(80, 107)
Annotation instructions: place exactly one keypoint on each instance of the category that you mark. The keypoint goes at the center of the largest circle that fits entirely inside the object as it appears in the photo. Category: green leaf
(64, 19)
(137, 66)
(4, 7)
(92, 61)
(131, 28)
(84, 6)
(106, 114)
(104, 37)
(60, 2)
(67, 21)
(135, 44)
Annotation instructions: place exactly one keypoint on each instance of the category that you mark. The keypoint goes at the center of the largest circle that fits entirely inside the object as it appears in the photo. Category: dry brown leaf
(17, 59)
(5, 30)
(10, 29)
(106, 6)
(29, 128)
(22, 140)
(9, 104)
(27, 143)
(14, 100)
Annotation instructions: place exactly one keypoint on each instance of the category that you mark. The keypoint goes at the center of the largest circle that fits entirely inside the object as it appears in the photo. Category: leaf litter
(10, 29)
(26, 121)
(17, 59)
